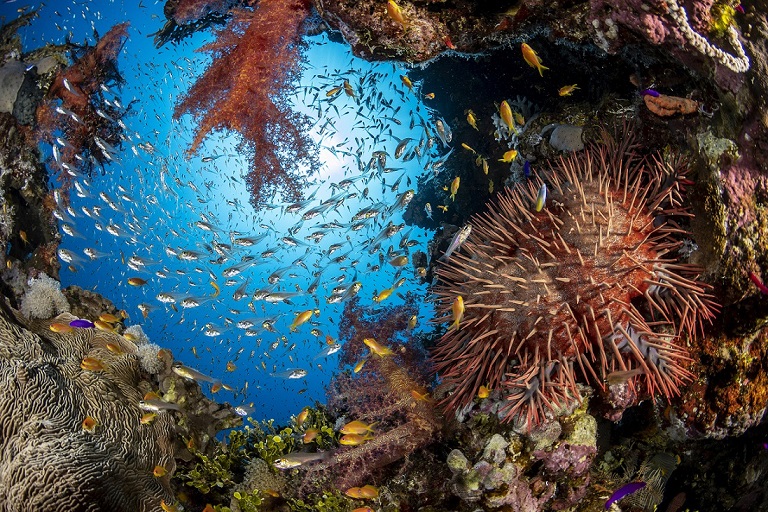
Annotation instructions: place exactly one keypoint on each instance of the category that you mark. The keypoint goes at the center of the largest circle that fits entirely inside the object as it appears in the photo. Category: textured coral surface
(50, 460)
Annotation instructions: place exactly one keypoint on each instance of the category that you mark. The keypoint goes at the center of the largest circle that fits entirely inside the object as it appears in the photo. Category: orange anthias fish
(407, 82)
(354, 439)
(377, 348)
(357, 427)
(506, 115)
(302, 417)
(458, 311)
(92, 364)
(567, 90)
(455, 187)
(89, 424)
(396, 13)
(530, 56)
(159, 471)
(300, 319)
(309, 435)
(59, 327)
(509, 156)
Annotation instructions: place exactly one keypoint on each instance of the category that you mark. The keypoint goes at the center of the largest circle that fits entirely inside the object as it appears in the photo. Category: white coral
(148, 358)
(43, 298)
(737, 64)
(138, 333)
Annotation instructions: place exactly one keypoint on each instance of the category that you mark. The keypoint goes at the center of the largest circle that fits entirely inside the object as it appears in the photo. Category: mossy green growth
(248, 501)
(722, 16)
(318, 419)
(269, 443)
(329, 501)
(209, 472)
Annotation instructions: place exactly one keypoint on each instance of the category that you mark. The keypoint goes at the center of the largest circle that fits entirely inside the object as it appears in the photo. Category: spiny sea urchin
(589, 283)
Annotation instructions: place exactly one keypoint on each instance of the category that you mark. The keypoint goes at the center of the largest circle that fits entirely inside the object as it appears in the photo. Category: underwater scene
(384, 255)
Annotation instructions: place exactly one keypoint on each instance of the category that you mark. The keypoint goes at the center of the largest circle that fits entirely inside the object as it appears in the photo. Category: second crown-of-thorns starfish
(587, 288)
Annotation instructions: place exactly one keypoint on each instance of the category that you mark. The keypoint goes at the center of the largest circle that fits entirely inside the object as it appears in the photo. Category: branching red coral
(255, 62)
(75, 107)
(389, 391)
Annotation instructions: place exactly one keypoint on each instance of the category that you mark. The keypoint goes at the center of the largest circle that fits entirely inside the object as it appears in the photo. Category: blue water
(159, 195)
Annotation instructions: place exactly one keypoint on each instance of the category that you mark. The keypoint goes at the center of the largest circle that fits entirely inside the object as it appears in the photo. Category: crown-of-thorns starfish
(587, 287)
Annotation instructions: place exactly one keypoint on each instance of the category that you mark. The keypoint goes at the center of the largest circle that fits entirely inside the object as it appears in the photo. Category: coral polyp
(587, 289)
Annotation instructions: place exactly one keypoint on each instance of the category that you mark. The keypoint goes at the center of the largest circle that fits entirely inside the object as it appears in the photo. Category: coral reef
(51, 461)
(43, 298)
(255, 59)
(552, 291)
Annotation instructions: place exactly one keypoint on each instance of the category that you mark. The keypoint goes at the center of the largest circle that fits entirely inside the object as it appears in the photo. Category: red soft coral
(245, 89)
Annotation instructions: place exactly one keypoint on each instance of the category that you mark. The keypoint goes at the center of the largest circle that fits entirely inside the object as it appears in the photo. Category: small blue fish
(527, 169)
(649, 92)
(541, 198)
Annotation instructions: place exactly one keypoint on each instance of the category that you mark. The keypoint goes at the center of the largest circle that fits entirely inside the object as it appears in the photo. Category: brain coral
(49, 460)
(589, 287)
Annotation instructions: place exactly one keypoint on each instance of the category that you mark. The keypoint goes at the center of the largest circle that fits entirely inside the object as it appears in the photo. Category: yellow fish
(490, 186)
(91, 364)
(567, 90)
(483, 392)
(455, 187)
(23, 236)
(357, 427)
(159, 471)
(336, 90)
(89, 424)
(383, 295)
(148, 418)
(429, 96)
(458, 311)
(348, 90)
(354, 439)
(413, 321)
(443, 207)
(468, 147)
(215, 287)
(509, 156)
(472, 119)
(136, 281)
(399, 261)
(59, 327)
(309, 435)
(505, 112)
(530, 56)
(302, 417)
(407, 82)
(104, 326)
(377, 348)
(114, 348)
(359, 366)
(110, 318)
(541, 198)
(231, 366)
(396, 13)
(300, 319)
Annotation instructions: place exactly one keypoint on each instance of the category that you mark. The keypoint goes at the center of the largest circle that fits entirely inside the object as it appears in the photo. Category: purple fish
(82, 323)
(527, 168)
(649, 92)
(623, 491)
